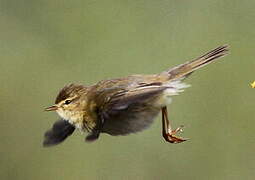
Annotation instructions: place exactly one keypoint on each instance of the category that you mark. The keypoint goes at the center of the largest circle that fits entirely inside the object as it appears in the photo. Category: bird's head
(70, 102)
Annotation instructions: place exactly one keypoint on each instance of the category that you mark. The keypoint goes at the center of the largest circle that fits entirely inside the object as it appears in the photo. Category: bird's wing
(125, 111)
(60, 130)
(125, 98)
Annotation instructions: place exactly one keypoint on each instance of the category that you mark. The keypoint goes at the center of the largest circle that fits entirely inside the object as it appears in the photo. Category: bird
(125, 105)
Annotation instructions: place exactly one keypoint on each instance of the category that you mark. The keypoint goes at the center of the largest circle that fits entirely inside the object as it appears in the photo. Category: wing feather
(60, 130)
(127, 111)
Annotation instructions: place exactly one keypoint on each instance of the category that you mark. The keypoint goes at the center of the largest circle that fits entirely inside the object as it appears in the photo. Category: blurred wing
(129, 111)
(58, 133)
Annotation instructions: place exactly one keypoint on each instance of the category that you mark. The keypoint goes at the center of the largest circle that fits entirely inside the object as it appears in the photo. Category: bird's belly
(175, 88)
(165, 98)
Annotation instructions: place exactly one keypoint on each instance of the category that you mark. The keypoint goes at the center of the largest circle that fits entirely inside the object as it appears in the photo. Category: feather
(58, 133)
(187, 68)
(131, 110)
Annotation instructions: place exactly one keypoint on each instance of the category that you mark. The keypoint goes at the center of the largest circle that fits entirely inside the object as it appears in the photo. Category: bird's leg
(167, 132)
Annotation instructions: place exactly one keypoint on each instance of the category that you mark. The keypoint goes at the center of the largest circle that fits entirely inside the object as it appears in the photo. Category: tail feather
(187, 68)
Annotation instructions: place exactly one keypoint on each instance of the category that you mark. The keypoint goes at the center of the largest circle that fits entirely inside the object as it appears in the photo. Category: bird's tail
(183, 70)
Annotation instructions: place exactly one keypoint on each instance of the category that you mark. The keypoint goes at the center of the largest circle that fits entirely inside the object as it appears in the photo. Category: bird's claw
(172, 138)
(179, 129)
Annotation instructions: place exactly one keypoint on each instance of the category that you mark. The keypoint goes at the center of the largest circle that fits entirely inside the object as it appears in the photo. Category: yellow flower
(253, 84)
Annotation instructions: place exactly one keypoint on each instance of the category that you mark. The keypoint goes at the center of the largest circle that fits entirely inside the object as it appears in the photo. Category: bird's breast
(74, 118)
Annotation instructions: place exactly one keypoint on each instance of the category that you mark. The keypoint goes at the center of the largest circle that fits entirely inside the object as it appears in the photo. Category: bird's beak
(51, 108)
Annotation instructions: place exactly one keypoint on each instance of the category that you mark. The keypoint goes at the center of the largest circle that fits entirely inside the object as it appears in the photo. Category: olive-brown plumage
(124, 105)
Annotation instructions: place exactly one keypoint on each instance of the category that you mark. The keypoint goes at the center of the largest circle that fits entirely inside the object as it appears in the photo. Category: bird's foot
(172, 138)
(92, 136)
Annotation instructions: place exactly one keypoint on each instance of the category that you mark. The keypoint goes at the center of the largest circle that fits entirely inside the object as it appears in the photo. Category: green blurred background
(46, 44)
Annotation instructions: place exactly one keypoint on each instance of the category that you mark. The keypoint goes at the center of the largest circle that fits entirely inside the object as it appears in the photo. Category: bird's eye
(67, 101)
